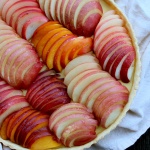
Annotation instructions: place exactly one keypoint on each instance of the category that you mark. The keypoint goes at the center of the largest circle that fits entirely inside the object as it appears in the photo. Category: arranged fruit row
(113, 47)
(57, 45)
(73, 124)
(29, 128)
(48, 92)
(33, 129)
(96, 89)
(11, 100)
(81, 17)
(27, 16)
(19, 62)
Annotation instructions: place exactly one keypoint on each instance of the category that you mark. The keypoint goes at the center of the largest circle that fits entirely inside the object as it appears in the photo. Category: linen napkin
(137, 119)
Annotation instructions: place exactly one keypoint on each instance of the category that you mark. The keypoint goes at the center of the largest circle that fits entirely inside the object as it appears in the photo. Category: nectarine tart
(69, 70)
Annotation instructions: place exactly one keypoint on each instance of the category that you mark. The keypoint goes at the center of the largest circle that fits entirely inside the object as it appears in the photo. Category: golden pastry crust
(132, 86)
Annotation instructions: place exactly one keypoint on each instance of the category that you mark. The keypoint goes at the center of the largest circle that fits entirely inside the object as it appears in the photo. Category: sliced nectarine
(54, 40)
(41, 141)
(86, 46)
(3, 130)
(42, 30)
(57, 58)
(16, 117)
(44, 40)
(17, 122)
(53, 49)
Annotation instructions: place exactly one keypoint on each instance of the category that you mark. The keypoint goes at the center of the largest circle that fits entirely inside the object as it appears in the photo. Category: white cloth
(137, 119)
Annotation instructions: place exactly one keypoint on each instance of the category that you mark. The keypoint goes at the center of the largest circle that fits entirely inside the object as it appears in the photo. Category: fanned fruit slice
(81, 17)
(73, 124)
(48, 92)
(19, 63)
(57, 45)
(11, 100)
(96, 89)
(113, 47)
(23, 127)
(27, 16)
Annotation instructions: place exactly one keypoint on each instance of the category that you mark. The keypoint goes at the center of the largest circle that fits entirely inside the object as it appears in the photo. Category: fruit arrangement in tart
(69, 70)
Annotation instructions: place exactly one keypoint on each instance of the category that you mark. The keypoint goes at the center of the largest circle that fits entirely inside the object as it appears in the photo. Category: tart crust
(132, 85)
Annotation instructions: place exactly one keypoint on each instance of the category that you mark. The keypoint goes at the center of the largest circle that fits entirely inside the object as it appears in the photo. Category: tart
(108, 55)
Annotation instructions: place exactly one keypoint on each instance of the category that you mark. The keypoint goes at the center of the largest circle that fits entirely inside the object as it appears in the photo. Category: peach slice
(3, 130)
(43, 29)
(17, 120)
(57, 58)
(44, 40)
(11, 105)
(62, 36)
(52, 49)
(44, 140)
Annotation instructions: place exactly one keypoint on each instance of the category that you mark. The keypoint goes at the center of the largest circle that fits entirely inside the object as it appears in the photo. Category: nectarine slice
(55, 41)
(57, 58)
(34, 92)
(11, 105)
(24, 123)
(42, 30)
(41, 141)
(46, 96)
(17, 121)
(73, 47)
(87, 45)
(46, 73)
(31, 126)
(36, 127)
(4, 127)
(13, 119)
(44, 40)
(53, 49)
